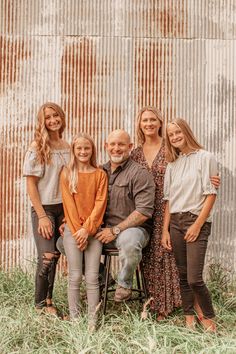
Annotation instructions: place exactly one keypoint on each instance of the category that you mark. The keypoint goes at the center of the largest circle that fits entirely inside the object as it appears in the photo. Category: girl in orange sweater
(84, 195)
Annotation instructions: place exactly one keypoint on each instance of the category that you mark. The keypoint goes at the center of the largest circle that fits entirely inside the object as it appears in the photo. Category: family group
(153, 203)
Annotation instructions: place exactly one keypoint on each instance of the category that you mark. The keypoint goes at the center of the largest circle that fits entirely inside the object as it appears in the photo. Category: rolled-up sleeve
(144, 193)
(167, 181)
(31, 167)
(209, 168)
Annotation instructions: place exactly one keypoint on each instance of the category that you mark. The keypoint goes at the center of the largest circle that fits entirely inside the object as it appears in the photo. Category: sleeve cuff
(148, 213)
(210, 191)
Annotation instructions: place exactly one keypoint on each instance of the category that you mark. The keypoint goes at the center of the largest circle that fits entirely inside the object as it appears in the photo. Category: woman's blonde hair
(72, 171)
(158, 114)
(172, 153)
(41, 136)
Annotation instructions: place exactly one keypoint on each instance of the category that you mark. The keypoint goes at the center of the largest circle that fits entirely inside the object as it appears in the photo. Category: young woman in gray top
(190, 198)
(43, 163)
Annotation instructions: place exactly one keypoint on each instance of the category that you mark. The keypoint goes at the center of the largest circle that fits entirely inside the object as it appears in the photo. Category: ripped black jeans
(48, 254)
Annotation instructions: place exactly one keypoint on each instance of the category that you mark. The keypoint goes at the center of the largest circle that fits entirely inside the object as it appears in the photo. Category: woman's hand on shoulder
(192, 233)
(216, 181)
(165, 240)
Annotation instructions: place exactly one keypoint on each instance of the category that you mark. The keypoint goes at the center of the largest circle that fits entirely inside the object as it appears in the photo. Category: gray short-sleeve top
(48, 183)
(187, 181)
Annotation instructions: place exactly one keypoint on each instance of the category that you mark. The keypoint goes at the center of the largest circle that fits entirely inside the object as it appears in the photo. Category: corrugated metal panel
(102, 61)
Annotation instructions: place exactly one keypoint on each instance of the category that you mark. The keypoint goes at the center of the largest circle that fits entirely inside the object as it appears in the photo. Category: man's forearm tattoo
(134, 219)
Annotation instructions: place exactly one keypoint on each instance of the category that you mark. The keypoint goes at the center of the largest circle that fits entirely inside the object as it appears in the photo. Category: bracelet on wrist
(42, 216)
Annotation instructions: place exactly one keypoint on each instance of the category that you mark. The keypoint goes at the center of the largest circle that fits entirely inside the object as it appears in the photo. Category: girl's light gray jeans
(91, 256)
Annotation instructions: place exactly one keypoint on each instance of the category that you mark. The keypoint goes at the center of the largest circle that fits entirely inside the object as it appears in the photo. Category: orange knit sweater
(86, 207)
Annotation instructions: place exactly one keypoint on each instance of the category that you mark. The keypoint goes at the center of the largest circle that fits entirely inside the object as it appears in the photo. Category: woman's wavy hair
(158, 114)
(72, 171)
(172, 153)
(41, 136)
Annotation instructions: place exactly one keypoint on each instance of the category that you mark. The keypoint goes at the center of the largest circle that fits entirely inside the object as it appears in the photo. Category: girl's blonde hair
(72, 171)
(172, 153)
(41, 136)
(158, 114)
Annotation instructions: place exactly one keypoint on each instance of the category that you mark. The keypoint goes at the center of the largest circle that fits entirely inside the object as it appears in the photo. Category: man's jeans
(130, 243)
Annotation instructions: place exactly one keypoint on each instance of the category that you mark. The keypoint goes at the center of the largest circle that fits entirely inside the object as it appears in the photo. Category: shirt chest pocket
(121, 190)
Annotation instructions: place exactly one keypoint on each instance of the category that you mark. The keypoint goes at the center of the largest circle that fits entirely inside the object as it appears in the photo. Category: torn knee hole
(49, 260)
(48, 256)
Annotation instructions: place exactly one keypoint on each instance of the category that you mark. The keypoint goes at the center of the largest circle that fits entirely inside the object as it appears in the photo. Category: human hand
(82, 246)
(192, 233)
(105, 236)
(45, 227)
(61, 229)
(216, 181)
(81, 237)
(165, 241)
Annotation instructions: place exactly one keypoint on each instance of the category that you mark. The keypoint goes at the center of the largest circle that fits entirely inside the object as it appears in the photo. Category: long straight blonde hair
(172, 153)
(41, 136)
(158, 114)
(73, 168)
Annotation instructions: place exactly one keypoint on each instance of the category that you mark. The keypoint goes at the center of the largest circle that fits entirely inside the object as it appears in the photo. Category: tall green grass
(23, 331)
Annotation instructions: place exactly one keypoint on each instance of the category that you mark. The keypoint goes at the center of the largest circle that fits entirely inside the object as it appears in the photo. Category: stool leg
(107, 268)
(139, 284)
(143, 281)
(105, 261)
(104, 271)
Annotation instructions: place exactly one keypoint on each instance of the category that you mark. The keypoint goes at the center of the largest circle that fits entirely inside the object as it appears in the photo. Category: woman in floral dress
(160, 270)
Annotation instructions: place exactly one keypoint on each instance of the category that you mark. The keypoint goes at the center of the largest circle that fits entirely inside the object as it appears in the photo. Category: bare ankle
(48, 302)
(208, 324)
(190, 321)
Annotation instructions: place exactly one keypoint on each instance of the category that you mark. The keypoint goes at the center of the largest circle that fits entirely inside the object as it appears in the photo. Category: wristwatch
(115, 231)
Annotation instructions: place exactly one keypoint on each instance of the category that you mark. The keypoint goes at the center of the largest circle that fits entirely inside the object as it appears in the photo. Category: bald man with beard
(129, 209)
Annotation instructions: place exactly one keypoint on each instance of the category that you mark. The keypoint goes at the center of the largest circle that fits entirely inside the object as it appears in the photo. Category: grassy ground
(121, 331)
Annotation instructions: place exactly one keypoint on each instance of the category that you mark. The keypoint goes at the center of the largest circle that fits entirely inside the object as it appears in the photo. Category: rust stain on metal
(13, 52)
(10, 199)
(163, 19)
(172, 21)
(153, 75)
(78, 72)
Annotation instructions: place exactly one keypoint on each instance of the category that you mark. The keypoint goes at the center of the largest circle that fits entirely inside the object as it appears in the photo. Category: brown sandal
(51, 309)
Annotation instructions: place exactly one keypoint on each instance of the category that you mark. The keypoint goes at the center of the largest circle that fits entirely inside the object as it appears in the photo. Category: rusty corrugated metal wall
(103, 60)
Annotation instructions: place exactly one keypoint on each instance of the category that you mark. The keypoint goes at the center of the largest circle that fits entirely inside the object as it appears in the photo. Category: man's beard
(118, 159)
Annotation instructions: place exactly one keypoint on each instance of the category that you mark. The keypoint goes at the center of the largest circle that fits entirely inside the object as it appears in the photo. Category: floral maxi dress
(160, 271)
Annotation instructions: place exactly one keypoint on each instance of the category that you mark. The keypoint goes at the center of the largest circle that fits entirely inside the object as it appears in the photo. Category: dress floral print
(160, 270)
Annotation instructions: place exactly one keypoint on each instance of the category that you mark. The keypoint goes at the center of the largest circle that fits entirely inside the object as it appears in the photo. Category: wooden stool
(142, 290)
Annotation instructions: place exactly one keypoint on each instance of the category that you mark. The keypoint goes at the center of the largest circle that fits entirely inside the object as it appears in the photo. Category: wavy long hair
(72, 170)
(158, 114)
(172, 153)
(41, 136)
